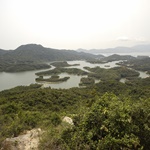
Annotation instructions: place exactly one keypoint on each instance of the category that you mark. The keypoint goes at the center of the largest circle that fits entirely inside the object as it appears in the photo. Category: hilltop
(36, 53)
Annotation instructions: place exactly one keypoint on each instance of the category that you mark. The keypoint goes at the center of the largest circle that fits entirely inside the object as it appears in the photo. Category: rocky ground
(26, 141)
(29, 140)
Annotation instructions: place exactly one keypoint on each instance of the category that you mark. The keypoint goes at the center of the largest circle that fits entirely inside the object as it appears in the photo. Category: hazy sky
(73, 24)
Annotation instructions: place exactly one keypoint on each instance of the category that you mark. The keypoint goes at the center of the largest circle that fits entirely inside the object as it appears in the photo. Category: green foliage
(111, 124)
(23, 66)
(125, 72)
(51, 139)
(115, 87)
(116, 57)
(55, 119)
(87, 81)
(115, 73)
(139, 64)
(118, 120)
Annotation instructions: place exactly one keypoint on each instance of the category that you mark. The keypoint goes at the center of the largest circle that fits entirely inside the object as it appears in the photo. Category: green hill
(31, 55)
(108, 115)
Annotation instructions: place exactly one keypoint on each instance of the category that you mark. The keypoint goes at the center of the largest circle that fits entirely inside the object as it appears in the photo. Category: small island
(148, 72)
(86, 81)
(107, 65)
(57, 71)
(97, 61)
(142, 64)
(51, 79)
(62, 64)
(22, 66)
(115, 73)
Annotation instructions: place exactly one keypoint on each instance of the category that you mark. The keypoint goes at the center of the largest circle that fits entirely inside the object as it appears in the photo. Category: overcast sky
(73, 24)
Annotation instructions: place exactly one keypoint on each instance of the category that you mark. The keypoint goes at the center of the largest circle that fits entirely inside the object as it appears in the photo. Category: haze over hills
(137, 48)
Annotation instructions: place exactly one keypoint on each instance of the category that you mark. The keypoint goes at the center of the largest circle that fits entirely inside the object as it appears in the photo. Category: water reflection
(10, 80)
(87, 64)
(143, 74)
(73, 81)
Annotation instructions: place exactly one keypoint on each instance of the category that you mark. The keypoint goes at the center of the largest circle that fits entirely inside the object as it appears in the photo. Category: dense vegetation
(86, 81)
(111, 58)
(108, 115)
(115, 73)
(21, 66)
(138, 64)
(110, 123)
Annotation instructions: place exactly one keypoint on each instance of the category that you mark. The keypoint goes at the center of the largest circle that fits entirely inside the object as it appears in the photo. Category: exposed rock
(68, 120)
(27, 141)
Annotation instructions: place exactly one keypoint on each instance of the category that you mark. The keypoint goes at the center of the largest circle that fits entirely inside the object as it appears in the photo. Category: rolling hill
(28, 57)
(36, 53)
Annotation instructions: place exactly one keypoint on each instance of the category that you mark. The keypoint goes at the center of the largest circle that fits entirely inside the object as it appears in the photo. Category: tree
(110, 124)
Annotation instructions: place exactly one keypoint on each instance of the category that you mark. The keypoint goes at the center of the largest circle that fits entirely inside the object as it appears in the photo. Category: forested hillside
(139, 64)
(31, 55)
(108, 115)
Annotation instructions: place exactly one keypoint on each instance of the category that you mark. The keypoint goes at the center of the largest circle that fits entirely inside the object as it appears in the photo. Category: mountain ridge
(33, 56)
(36, 52)
(119, 49)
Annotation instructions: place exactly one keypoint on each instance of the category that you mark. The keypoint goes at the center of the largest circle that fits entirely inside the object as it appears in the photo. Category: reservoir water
(10, 80)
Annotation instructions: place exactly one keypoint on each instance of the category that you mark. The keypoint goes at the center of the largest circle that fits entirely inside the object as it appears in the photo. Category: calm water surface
(10, 80)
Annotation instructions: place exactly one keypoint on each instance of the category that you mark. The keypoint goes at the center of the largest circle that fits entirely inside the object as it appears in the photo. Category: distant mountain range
(138, 48)
(32, 56)
(34, 52)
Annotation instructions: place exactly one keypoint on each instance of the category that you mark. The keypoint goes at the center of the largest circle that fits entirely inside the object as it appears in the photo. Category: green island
(86, 81)
(115, 73)
(107, 115)
(138, 64)
(97, 61)
(148, 72)
(51, 79)
(22, 66)
(116, 57)
(57, 71)
(111, 58)
(98, 73)
(62, 64)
